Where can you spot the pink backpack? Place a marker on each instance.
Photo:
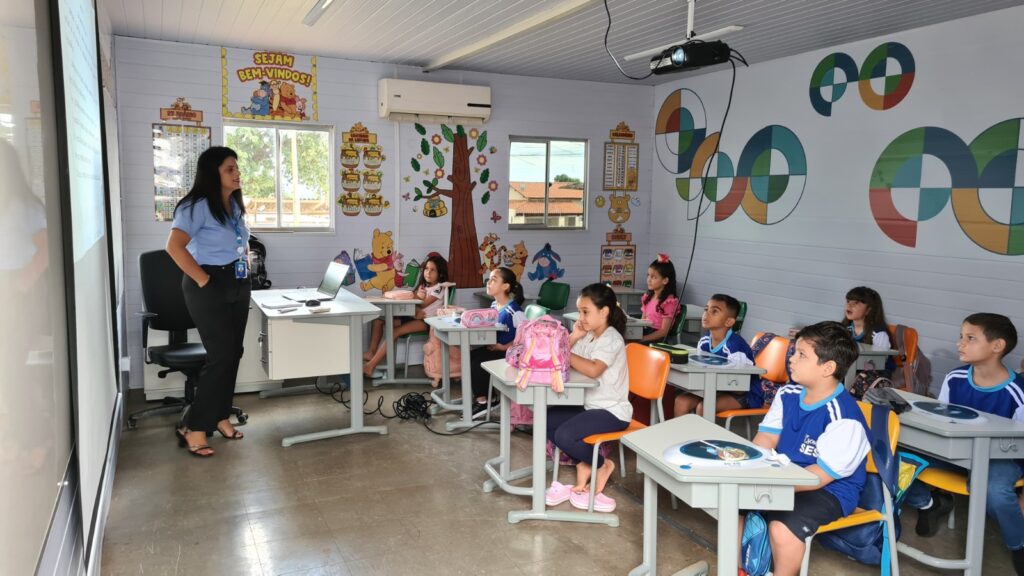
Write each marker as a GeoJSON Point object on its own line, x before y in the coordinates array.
{"type": "Point", "coordinates": [432, 360]}
{"type": "Point", "coordinates": [541, 353]}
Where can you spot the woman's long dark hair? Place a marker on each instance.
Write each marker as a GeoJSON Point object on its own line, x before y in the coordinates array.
{"type": "Point", "coordinates": [442, 270]}
{"type": "Point", "coordinates": [604, 297]}
{"type": "Point", "coordinates": [515, 288]}
{"type": "Point", "coordinates": [874, 319]}
{"type": "Point", "coordinates": [207, 183]}
{"type": "Point", "coordinates": [664, 267]}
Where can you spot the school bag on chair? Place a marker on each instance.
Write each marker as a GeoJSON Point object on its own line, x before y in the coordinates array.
{"type": "Point", "coordinates": [541, 353]}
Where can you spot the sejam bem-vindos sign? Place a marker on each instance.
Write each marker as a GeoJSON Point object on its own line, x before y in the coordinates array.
{"type": "Point", "coordinates": [267, 85]}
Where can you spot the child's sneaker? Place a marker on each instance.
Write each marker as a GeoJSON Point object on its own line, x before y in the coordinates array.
{"type": "Point", "coordinates": [928, 519]}
{"type": "Point", "coordinates": [602, 503]}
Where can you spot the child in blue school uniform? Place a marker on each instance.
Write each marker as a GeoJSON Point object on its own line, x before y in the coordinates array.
{"type": "Point", "coordinates": [508, 299]}
{"type": "Point", "coordinates": [819, 426]}
{"type": "Point", "coordinates": [718, 319]}
{"type": "Point", "coordinates": [986, 384]}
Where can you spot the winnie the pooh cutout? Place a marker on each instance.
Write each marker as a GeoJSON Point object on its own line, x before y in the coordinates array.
{"type": "Point", "coordinates": [618, 207]}
{"type": "Point", "coordinates": [515, 259]}
{"type": "Point", "coordinates": [382, 256]}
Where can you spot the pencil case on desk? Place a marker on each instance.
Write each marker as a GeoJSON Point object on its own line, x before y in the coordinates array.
{"type": "Point", "coordinates": [479, 318]}
{"type": "Point", "coordinates": [676, 355]}
{"type": "Point", "coordinates": [400, 294]}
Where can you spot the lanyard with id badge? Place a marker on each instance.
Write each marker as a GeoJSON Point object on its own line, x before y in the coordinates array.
{"type": "Point", "coordinates": [242, 265]}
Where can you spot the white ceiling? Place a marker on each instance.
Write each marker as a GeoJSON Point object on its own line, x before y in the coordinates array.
{"type": "Point", "coordinates": [415, 32]}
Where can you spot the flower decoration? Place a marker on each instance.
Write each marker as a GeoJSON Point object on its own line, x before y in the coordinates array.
{"type": "Point", "coordinates": [436, 139]}
{"type": "Point", "coordinates": [439, 173]}
{"type": "Point", "coordinates": [473, 133]}
{"type": "Point", "coordinates": [492, 185]}
{"type": "Point", "coordinates": [481, 160]}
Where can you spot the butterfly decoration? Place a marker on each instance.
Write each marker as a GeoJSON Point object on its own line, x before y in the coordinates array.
{"type": "Point", "coordinates": [406, 196]}
{"type": "Point", "coordinates": [495, 216]}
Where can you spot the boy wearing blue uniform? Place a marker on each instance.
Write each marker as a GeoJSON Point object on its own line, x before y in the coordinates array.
{"type": "Point", "coordinates": [820, 427]}
{"type": "Point", "coordinates": [986, 384]}
{"type": "Point", "coordinates": [718, 319]}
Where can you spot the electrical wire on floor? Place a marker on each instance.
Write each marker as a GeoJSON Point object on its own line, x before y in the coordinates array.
{"type": "Point", "coordinates": [410, 406]}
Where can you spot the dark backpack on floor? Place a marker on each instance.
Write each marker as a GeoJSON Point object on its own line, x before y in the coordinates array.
{"type": "Point", "coordinates": [258, 256]}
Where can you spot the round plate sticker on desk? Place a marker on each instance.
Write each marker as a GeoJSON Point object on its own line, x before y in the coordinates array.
{"type": "Point", "coordinates": [950, 412]}
{"type": "Point", "coordinates": [715, 454]}
{"type": "Point", "coordinates": [710, 360]}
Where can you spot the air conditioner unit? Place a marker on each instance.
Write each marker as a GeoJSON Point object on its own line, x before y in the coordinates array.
{"type": "Point", "coordinates": [432, 102]}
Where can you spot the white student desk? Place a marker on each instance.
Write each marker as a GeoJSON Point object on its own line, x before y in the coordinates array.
{"type": "Point", "coordinates": [395, 309]}
{"type": "Point", "coordinates": [634, 326]}
{"type": "Point", "coordinates": [708, 381]}
{"type": "Point", "coordinates": [968, 446]}
{"type": "Point", "coordinates": [300, 344]}
{"type": "Point", "coordinates": [451, 333]}
{"type": "Point", "coordinates": [721, 492]}
{"type": "Point", "coordinates": [503, 378]}
{"type": "Point", "coordinates": [868, 353]}
{"type": "Point", "coordinates": [627, 297]}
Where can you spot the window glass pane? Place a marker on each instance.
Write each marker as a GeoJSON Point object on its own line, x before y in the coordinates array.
{"type": "Point", "coordinates": [526, 182]}
{"type": "Point", "coordinates": [568, 184]}
{"type": "Point", "coordinates": [255, 148]}
{"type": "Point", "coordinates": [306, 199]}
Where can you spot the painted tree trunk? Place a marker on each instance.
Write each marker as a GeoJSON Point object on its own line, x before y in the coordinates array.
{"type": "Point", "coordinates": [463, 251]}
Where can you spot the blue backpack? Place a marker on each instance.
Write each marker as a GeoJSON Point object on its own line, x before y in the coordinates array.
{"type": "Point", "coordinates": [869, 543]}
{"type": "Point", "coordinates": [755, 549]}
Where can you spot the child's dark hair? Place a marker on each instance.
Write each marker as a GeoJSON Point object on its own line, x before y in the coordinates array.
{"type": "Point", "coordinates": [515, 288]}
{"type": "Point", "coordinates": [664, 267]}
{"type": "Point", "coordinates": [732, 305]}
{"type": "Point", "coordinates": [604, 297]}
{"type": "Point", "coordinates": [442, 270]}
{"type": "Point", "coordinates": [832, 342]}
{"type": "Point", "coordinates": [874, 319]}
{"type": "Point", "coordinates": [995, 327]}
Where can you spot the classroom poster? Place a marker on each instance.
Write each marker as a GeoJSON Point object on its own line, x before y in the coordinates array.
{"type": "Point", "coordinates": [268, 85]}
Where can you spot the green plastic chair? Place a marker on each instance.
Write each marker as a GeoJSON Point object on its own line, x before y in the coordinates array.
{"type": "Point", "coordinates": [553, 295]}
{"type": "Point", "coordinates": [740, 316]}
{"type": "Point", "coordinates": [422, 335]}
{"type": "Point", "coordinates": [675, 335]}
{"type": "Point", "coordinates": [534, 311]}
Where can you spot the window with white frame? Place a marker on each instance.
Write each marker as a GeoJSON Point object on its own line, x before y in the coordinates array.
{"type": "Point", "coordinates": [287, 175]}
{"type": "Point", "coordinates": [547, 183]}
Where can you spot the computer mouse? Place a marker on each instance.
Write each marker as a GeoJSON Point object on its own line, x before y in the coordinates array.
{"type": "Point", "coordinates": [312, 303]}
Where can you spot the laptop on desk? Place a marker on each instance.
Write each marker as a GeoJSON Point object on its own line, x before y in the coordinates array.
{"type": "Point", "coordinates": [329, 286]}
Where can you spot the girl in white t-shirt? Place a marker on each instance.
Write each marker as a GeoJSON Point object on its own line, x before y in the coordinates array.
{"type": "Point", "coordinates": [429, 290]}
{"type": "Point", "coordinates": [598, 351]}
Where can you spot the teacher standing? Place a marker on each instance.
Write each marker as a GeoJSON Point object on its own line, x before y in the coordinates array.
{"type": "Point", "coordinates": [209, 241]}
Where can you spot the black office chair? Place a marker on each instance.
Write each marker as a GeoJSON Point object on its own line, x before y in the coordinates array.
{"type": "Point", "coordinates": [164, 304]}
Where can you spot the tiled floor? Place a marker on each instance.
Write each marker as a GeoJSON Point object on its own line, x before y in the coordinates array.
{"type": "Point", "coordinates": [406, 503]}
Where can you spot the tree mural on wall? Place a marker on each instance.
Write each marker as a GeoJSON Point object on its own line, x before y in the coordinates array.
{"type": "Point", "coordinates": [463, 249]}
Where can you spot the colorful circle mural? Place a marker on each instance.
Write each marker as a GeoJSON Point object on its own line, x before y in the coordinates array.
{"type": "Point", "coordinates": [924, 169]}
{"type": "Point", "coordinates": [883, 81]}
{"type": "Point", "coordinates": [680, 129]}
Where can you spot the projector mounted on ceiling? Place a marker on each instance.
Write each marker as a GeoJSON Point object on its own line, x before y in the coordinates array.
{"type": "Point", "coordinates": [709, 53]}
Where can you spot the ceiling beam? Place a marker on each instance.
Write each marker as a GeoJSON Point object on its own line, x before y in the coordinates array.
{"type": "Point", "coordinates": [549, 16]}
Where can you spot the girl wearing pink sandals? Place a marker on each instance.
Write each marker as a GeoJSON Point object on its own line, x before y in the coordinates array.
{"type": "Point", "coordinates": [598, 351]}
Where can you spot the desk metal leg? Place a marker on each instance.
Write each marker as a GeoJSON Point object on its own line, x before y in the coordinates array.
{"type": "Point", "coordinates": [973, 559]}
{"type": "Point", "coordinates": [501, 477]}
{"type": "Point", "coordinates": [539, 509]}
{"type": "Point", "coordinates": [728, 528]}
{"type": "Point", "coordinates": [356, 380]}
{"type": "Point", "coordinates": [443, 398]}
{"type": "Point", "coordinates": [467, 394]}
{"type": "Point", "coordinates": [650, 528]}
{"type": "Point", "coordinates": [390, 353]}
{"type": "Point", "coordinates": [710, 406]}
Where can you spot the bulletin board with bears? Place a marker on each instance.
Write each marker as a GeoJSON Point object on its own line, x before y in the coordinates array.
{"type": "Point", "coordinates": [621, 160]}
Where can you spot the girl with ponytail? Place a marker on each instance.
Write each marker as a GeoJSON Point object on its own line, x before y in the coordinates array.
{"type": "Point", "coordinates": [508, 299]}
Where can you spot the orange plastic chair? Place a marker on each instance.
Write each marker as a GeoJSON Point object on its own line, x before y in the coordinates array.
{"type": "Point", "coordinates": [906, 360]}
{"type": "Point", "coordinates": [773, 361]}
{"type": "Point", "coordinates": [648, 376]}
{"type": "Point", "coordinates": [951, 481]}
{"type": "Point", "coordinates": [861, 516]}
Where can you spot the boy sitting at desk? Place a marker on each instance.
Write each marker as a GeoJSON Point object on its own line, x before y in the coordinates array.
{"type": "Point", "coordinates": [718, 319]}
{"type": "Point", "coordinates": [985, 384]}
{"type": "Point", "coordinates": [819, 426]}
